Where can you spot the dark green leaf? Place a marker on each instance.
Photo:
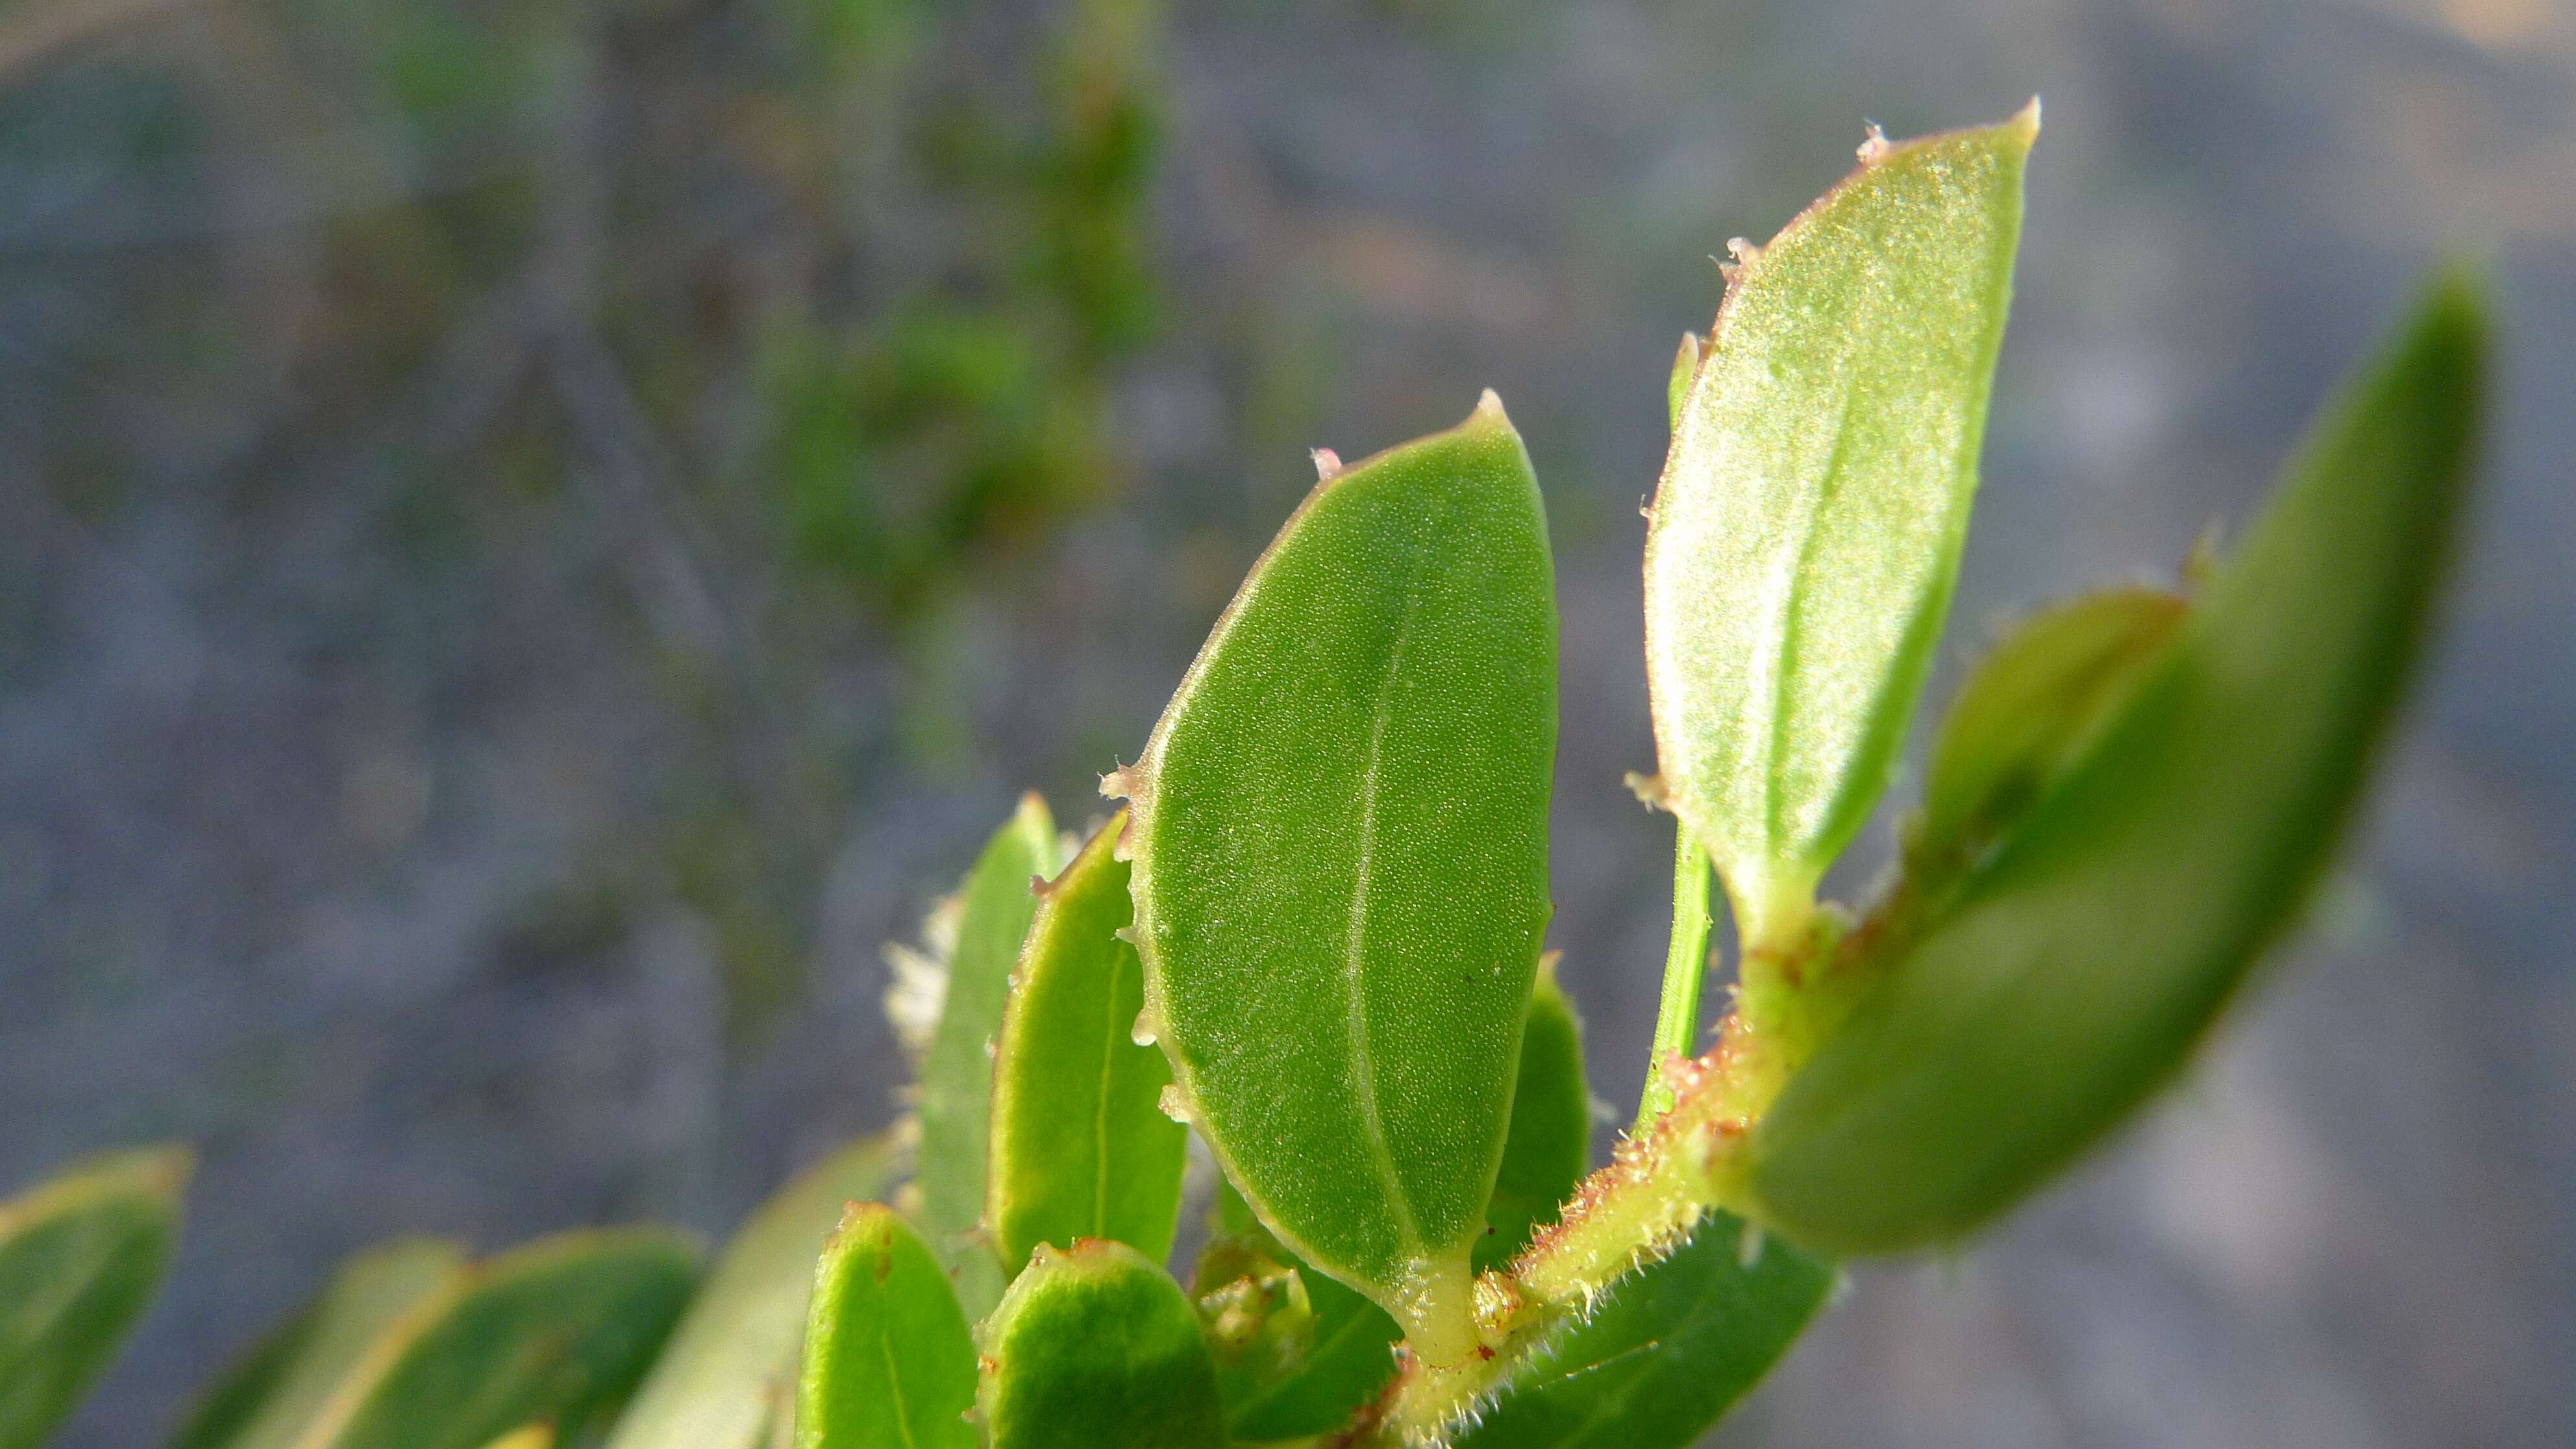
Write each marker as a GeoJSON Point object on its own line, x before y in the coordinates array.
{"type": "Point", "coordinates": [1806, 532]}
{"type": "Point", "coordinates": [1340, 846]}
{"type": "Point", "coordinates": [559, 1331]}
{"type": "Point", "coordinates": [2031, 709]}
{"type": "Point", "coordinates": [1551, 1135]}
{"type": "Point", "coordinates": [1081, 1147]}
{"type": "Point", "coordinates": [80, 1258]}
{"type": "Point", "coordinates": [333, 1341]}
{"type": "Point", "coordinates": [2082, 962]}
{"type": "Point", "coordinates": [889, 1361]}
{"type": "Point", "coordinates": [1096, 1346]}
{"type": "Point", "coordinates": [994, 911]}
{"type": "Point", "coordinates": [714, 1386]}
{"type": "Point", "coordinates": [1670, 1348]}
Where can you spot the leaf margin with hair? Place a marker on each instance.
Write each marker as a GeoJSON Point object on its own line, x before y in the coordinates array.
{"type": "Point", "coordinates": [1227, 824]}
{"type": "Point", "coordinates": [1067, 1061]}
{"type": "Point", "coordinates": [1792, 610]}
{"type": "Point", "coordinates": [955, 1088]}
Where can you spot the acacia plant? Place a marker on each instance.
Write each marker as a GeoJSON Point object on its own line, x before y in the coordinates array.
{"type": "Point", "coordinates": [1313, 938]}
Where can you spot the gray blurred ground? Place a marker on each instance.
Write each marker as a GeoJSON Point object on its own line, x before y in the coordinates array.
{"type": "Point", "coordinates": [281, 817]}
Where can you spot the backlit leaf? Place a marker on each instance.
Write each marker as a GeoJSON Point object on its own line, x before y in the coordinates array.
{"type": "Point", "coordinates": [715, 1386]}
{"type": "Point", "coordinates": [889, 1361]}
{"type": "Point", "coordinates": [1096, 1346]}
{"type": "Point", "coordinates": [80, 1258]}
{"type": "Point", "coordinates": [1806, 532]}
{"type": "Point", "coordinates": [2080, 964]}
{"type": "Point", "coordinates": [1340, 846]}
{"type": "Point", "coordinates": [1081, 1146]}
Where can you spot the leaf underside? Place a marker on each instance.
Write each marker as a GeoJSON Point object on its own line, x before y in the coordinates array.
{"type": "Point", "coordinates": [2079, 965]}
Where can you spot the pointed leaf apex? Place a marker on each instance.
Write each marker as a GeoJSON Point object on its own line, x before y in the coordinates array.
{"type": "Point", "coordinates": [2026, 121]}
{"type": "Point", "coordinates": [1489, 411]}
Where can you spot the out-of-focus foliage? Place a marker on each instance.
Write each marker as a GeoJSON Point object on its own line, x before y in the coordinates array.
{"type": "Point", "coordinates": [781, 323]}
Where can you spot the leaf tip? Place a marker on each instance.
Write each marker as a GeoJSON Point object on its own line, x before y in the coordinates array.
{"type": "Point", "coordinates": [1873, 149]}
{"type": "Point", "coordinates": [1328, 464]}
{"type": "Point", "coordinates": [1489, 411]}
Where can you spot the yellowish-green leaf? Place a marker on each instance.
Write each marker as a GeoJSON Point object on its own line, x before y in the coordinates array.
{"type": "Point", "coordinates": [1081, 1147]}
{"type": "Point", "coordinates": [715, 1386]}
{"type": "Point", "coordinates": [1807, 528]}
{"type": "Point", "coordinates": [80, 1258]}
{"type": "Point", "coordinates": [889, 1361]}
{"type": "Point", "coordinates": [1340, 847]}
{"type": "Point", "coordinates": [2078, 965]}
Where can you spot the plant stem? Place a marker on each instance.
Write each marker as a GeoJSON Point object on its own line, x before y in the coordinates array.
{"type": "Point", "coordinates": [1685, 969]}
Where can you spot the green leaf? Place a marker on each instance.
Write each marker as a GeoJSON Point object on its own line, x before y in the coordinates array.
{"type": "Point", "coordinates": [560, 1330]}
{"type": "Point", "coordinates": [714, 1387]}
{"type": "Point", "coordinates": [2028, 713]}
{"type": "Point", "coordinates": [2082, 962]}
{"type": "Point", "coordinates": [1081, 1148]}
{"type": "Point", "coordinates": [1297, 1352]}
{"type": "Point", "coordinates": [326, 1346]}
{"type": "Point", "coordinates": [1551, 1134]}
{"type": "Point", "coordinates": [995, 908]}
{"type": "Point", "coordinates": [1670, 1348]}
{"type": "Point", "coordinates": [80, 1258]}
{"type": "Point", "coordinates": [526, 1436]}
{"type": "Point", "coordinates": [1097, 1346]}
{"type": "Point", "coordinates": [1340, 847]}
{"type": "Point", "coordinates": [889, 1361]}
{"type": "Point", "coordinates": [1806, 532]}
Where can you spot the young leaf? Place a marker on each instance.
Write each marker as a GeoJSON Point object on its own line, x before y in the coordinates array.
{"type": "Point", "coordinates": [2028, 713]}
{"type": "Point", "coordinates": [1097, 1346]}
{"type": "Point", "coordinates": [1297, 1352]}
{"type": "Point", "coordinates": [995, 909]}
{"type": "Point", "coordinates": [1081, 1147]}
{"type": "Point", "coordinates": [1806, 531]}
{"type": "Point", "coordinates": [714, 1387]}
{"type": "Point", "coordinates": [889, 1362]}
{"type": "Point", "coordinates": [325, 1346]}
{"type": "Point", "coordinates": [1340, 846]}
{"type": "Point", "coordinates": [2079, 965]}
{"type": "Point", "coordinates": [1671, 1347]}
{"type": "Point", "coordinates": [80, 1257]}
{"type": "Point", "coordinates": [558, 1331]}
{"type": "Point", "coordinates": [1551, 1135]}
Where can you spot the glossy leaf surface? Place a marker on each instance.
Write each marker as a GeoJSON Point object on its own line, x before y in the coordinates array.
{"type": "Point", "coordinates": [328, 1346]}
{"type": "Point", "coordinates": [80, 1258]}
{"type": "Point", "coordinates": [2083, 961]}
{"type": "Point", "coordinates": [2028, 713]}
{"type": "Point", "coordinates": [559, 1331]}
{"type": "Point", "coordinates": [1340, 847]}
{"type": "Point", "coordinates": [1551, 1135]}
{"type": "Point", "coordinates": [1806, 532]}
{"type": "Point", "coordinates": [994, 910]}
{"type": "Point", "coordinates": [889, 1361]}
{"type": "Point", "coordinates": [1081, 1146]}
{"type": "Point", "coordinates": [714, 1387]}
{"type": "Point", "coordinates": [1096, 1345]}
{"type": "Point", "coordinates": [1670, 1348]}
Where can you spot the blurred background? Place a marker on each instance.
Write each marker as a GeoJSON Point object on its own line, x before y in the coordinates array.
{"type": "Point", "coordinates": [535, 535]}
